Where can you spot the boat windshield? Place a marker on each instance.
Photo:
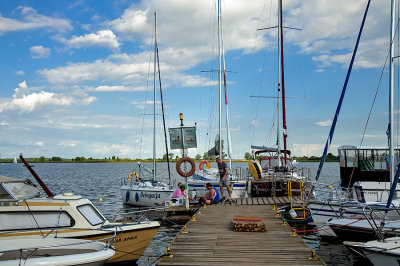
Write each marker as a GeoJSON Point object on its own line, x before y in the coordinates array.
{"type": "Point", "coordinates": [18, 191]}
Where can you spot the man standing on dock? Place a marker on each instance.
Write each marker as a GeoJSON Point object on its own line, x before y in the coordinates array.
{"type": "Point", "coordinates": [224, 179]}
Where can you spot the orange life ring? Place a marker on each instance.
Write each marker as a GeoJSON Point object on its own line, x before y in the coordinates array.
{"type": "Point", "coordinates": [131, 174]}
{"type": "Point", "coordinates": [192, 164]}
{"type": "Point", "coordinates": [201, 165]}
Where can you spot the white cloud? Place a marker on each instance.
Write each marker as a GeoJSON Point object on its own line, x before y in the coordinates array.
{"type": "Point", "coordinates": [38, 52]}
{"type": "Point", "coordinates": [31, 20]}
{"type": "Point", "coordinates": [20, 73]}
{"type": "Point", "coordinates": [325, 123]}
{"type": "Point", "coordinates": [121, 88]}
{"type": "Point", "coordinates": [330, 28]}
{"type": "Point", "coordinates": [69, 143]}
{"type": "Point", "coordinates": [25, 101]}
{"type": "Point", "coordinates": [142, 105]}
{"type": "Point", "coordinates": [102, 38]}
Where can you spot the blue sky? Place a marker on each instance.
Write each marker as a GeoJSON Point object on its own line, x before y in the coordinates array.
{"type": "Point", "coordinates": [76, 76]}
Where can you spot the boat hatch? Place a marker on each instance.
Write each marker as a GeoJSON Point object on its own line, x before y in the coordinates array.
{"type": "Point", "coordinates": [18, 191]}
{"type": "Point", "coordinates": [91, 214]}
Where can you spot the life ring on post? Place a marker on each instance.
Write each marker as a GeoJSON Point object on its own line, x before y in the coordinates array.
{"type": "Point", "coordinates": [192, 165]}
{"type": "Point", "coordinates": [202, 163]}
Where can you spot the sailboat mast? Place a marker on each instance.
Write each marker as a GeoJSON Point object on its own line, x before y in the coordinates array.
{"type": "Point", "coordinates": [219, 78]}
{"type": "Point", "coordinates": [391, 93]}
{"type": "Point", "coordinates": [228, 129]}
{"type": "Point", "coordinates": [278, 142]}
{"type": "Point", "coordinates": [154, 88]}
{"type": "Point", "coordinates": [283, 83]}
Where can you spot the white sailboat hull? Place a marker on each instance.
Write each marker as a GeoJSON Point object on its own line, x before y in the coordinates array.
{"type": "Point", "coordinates": [197, 183]}
{"type": "Point", "coordinates": [146, 195]}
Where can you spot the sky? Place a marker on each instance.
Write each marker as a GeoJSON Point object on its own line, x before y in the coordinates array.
{"type": "Point", "coordinates": [77, 76]}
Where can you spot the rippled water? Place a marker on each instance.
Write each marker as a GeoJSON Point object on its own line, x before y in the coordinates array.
{"type": "Point", "coordinates": [103, 180]}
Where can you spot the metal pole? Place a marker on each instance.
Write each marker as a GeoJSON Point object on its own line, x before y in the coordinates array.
{"type": "Point", "coordinates": [219, 79]}
{"type": "Point", "coordinates": [154, 105]}
{"type": "Point", "coordinates": [391, 93]}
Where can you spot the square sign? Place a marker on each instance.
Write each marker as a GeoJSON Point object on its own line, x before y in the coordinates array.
{"type": "Point", "coordinates": [176, 139]}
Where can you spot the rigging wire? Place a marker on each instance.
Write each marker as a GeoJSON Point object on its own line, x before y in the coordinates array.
{"type": "Point", "coordinates": [147, 89]}
{"type": "Point", "coordinates": [265, 57]}
{"type": "Point", "coordinates": [373, 101]}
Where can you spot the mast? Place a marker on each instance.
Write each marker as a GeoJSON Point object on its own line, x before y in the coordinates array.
{"type": "Point", "coordinates": [278, 144]}
{"type": "Point", "coordinates": [154, 88]}
{"type": "Point", "coordinates": [283, 84]}
{"type": "Point", "coordinates": [219, 78]}
{"type": "Point", "coordinates": [228, 129]}
{"type": "Point", "coordinates": [391, 92]}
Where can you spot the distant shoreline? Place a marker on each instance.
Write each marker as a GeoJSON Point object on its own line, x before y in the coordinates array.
{"type": "Point", "coordinates": [91, 160]}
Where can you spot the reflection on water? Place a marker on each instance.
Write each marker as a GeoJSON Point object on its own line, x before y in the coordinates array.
{"type": "Point", "coordinates": [103, 180]}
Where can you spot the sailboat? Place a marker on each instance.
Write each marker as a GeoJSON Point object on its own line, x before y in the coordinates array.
{"type": "Point", "coordinates": [366, 173]}
{"type": "Point", "coordinates": [136, 189]}
{"type": "Point", "coordinates": [238, 183]}
{"type": "Point", "coordinates": [275, 169]}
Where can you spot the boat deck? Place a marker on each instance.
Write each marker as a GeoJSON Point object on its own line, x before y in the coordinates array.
{"type": "Point", "coordinates": [211, 239]}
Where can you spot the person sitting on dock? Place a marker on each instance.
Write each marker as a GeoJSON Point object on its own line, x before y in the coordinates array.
{"type": "Point", "coordinates": [211, 197]}
{"type": "Point", "coordinates": [178, 193]}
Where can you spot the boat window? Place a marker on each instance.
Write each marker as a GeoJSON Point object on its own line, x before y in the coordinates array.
{"type": "Point", "coordinates": [35, 219]}
{"type": "Point", "coordinates": [365, 160]}
{"type": "Point", "coordinates": [21, 190]}
{"type": "Point", "coordinates": [91, 214]}
{"type": "Point", "coordinates": [351, 158]}
{"type": "Point", "coordinates": [380, 160]}
{"type": "Point", "coordinates": [342, 158]}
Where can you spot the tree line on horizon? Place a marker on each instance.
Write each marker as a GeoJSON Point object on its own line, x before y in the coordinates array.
{"type": "Point", "coordinates": [172, 157]}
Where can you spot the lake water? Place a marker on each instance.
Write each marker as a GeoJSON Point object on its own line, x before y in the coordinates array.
{"type": "Point", "coordinates": [103, 180]}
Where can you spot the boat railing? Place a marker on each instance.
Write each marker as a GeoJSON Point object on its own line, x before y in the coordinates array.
{"type": "Point", "coordinates": [331, 192]}
{"type": "Point", "coordinates": [137, 214]}
{"type": "Point", "coordinates": [378, 216]}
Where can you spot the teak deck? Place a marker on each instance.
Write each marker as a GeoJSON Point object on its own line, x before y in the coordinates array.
{"type": "Point", "coordinates": [211, 240]}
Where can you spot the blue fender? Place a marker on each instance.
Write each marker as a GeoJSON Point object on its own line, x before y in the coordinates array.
{"type": "Point", "coordinates": [127, 195]}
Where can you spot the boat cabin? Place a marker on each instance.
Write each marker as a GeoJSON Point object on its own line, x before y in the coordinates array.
{"type": "Point", "coordinates": [270, 161]}
{"type": "Point", "coordinates": [365, 163]}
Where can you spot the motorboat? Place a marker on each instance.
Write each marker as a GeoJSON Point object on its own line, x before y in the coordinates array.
{"type": "Point", "coordinates": [378, 252]}
{"type": "Point", "coordinates": [364, 180]}
{"type": "Point", "coordinates": [54, 252]}
{"type": "Point", "coordinates": [25, 212]}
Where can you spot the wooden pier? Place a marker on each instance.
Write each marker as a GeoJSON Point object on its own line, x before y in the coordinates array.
{"type": "Point", "coordinates": [211, 240]}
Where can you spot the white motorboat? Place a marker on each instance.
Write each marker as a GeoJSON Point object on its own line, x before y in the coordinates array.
{"type": "Point", "coordinates": [26, 213]}
{"type": "Point", "coordinates": [379, 252]}
{"type": "Point", "coordinates": [364, 180]}
{"type": "Point", "coordinates": [147, 192]}
{"type": "Point", "coordinates": [54, 252]}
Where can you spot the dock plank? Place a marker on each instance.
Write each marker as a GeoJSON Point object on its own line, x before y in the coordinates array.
{"type": "Point", "coordinates": [211, 239]}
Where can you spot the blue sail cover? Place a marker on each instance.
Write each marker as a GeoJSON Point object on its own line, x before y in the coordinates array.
{"type": "Point", "coordinates": [329, 140]}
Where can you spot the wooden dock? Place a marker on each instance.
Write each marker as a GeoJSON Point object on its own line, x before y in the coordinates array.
{"type": "Point", "coordinates": [211, 240]}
